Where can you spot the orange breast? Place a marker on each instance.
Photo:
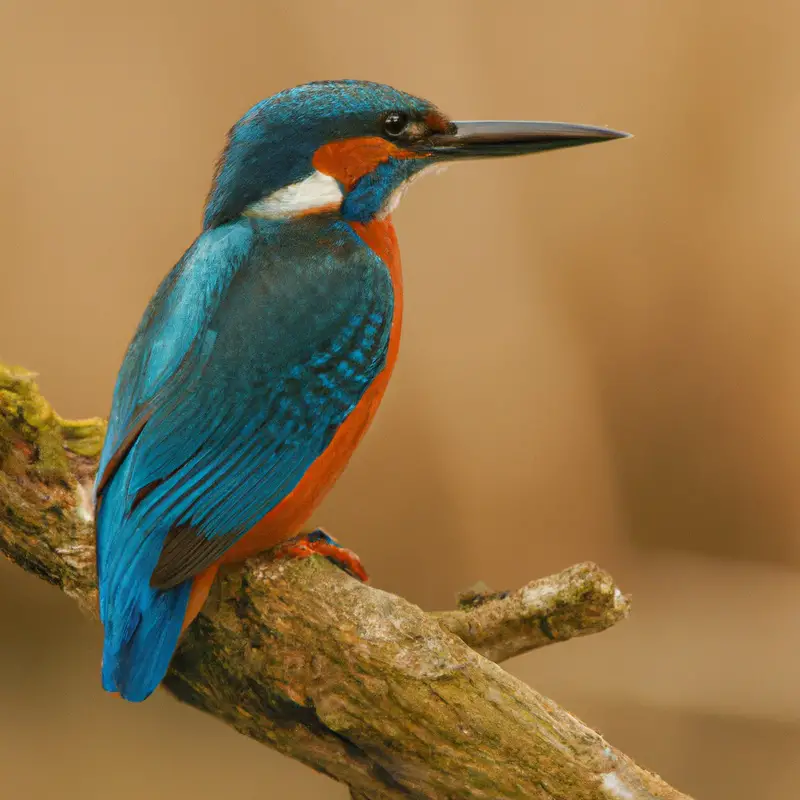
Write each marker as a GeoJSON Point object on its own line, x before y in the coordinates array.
{"type": "Point", "coordinates": [287, 518]}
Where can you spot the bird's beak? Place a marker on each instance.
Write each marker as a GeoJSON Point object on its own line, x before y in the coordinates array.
{"type": "Point", "coordinates": [509, 138]}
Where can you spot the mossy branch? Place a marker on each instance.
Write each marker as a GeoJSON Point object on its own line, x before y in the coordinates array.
{"type": "Point", "coordinates": [352, 681]}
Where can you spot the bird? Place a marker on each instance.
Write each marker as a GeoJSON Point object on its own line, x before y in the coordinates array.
{"type": "Point", "coordinates": [261, 359]}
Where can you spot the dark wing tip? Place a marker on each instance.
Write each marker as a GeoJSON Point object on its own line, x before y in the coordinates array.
{"type": "Point", "coordinates": [186, 553]}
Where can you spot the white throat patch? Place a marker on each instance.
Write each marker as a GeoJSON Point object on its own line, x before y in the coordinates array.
{"type": "Point", "coordinates": [317, 191]}
{"type": "Point", "coordinates": [397, 195]}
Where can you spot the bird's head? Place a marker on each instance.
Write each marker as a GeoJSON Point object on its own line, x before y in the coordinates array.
{"type": "Point", "coordinates": [353, 146]}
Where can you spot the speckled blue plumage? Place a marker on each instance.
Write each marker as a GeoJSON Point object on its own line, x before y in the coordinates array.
{"type": "Point", "coordinates": [253, 351]}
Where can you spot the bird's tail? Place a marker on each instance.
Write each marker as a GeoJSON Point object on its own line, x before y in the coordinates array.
{"type": "Point", "coordinates": [142, 624]}
{"type": "Point", "coordinates": [136, 656]}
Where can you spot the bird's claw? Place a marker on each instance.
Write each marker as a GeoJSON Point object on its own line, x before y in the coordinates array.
{"type": "Point", "coordinates": [320, 543]}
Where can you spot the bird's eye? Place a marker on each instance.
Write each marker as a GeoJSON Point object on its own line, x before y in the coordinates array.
{"type": "Point", "coordinates": [394, 123]}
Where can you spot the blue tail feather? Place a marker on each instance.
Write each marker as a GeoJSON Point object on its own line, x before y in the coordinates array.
{"type": "Point", "coordinates": [142, 624]}
{"type": "Point", "coordinates": [135, 664]}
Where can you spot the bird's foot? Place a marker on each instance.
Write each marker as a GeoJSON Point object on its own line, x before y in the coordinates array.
{"type": "Point", "coordinates": [320, 543]}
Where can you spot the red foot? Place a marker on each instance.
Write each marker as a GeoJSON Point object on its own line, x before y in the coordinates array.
{"type": "Point", "coordinates": [319, 543]}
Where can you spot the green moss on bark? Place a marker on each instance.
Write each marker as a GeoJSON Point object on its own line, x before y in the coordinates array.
{"type": "Point", "coordinates": [30, 425]}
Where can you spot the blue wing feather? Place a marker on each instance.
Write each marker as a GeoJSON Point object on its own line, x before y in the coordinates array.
{"type": "Point", "coordinates": [172, 326]}
{"type": "Point", "coordinates": [253, 352]}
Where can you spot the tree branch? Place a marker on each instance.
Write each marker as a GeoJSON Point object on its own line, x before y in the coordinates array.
{"type": "Point", "coordinates": [499, 625]}
{"type": "Point", "coordinates": [352, 681]}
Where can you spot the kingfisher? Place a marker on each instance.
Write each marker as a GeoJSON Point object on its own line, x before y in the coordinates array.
{"type": "Point", "coordinates": [264, 354]}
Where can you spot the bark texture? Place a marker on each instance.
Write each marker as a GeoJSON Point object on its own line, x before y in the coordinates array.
{"type": "Point", "coordinates": [352, 681]}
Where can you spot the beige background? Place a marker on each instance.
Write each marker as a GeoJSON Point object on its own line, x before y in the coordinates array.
{"type": "Point", "coordinates": [601, 356]}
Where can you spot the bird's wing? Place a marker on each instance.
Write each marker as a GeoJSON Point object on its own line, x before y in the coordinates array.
{"type": "Point", "coordinates": [253, 352]}
{"type": "Point", "coordinates": [170, 339]}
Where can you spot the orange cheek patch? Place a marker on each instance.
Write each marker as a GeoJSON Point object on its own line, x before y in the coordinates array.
{"type": "Point", "coordinates": [437, 122]}
{"type": "Point", "coordinates": [350, 159]}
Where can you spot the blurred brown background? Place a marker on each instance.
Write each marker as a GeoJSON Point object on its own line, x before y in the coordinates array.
{"type": "Point", "coordinates": [601, 356]}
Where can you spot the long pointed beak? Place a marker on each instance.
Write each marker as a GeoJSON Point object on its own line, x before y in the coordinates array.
{"type": "Point", "coordinates": [510, 138]}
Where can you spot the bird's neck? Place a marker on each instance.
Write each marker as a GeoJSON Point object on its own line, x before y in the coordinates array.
{"type": "Point", "coordinates": [361, 178]}
{"type": "Point", "coordinates": [373, 197]}
{"type": "Point", "coordinates": [317, 194]}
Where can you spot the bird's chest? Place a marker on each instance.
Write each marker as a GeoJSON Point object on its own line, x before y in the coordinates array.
{"type": "Point", "coordinates": [289, 516]}
{"type": "Point", "coordinates": [380, 237]}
